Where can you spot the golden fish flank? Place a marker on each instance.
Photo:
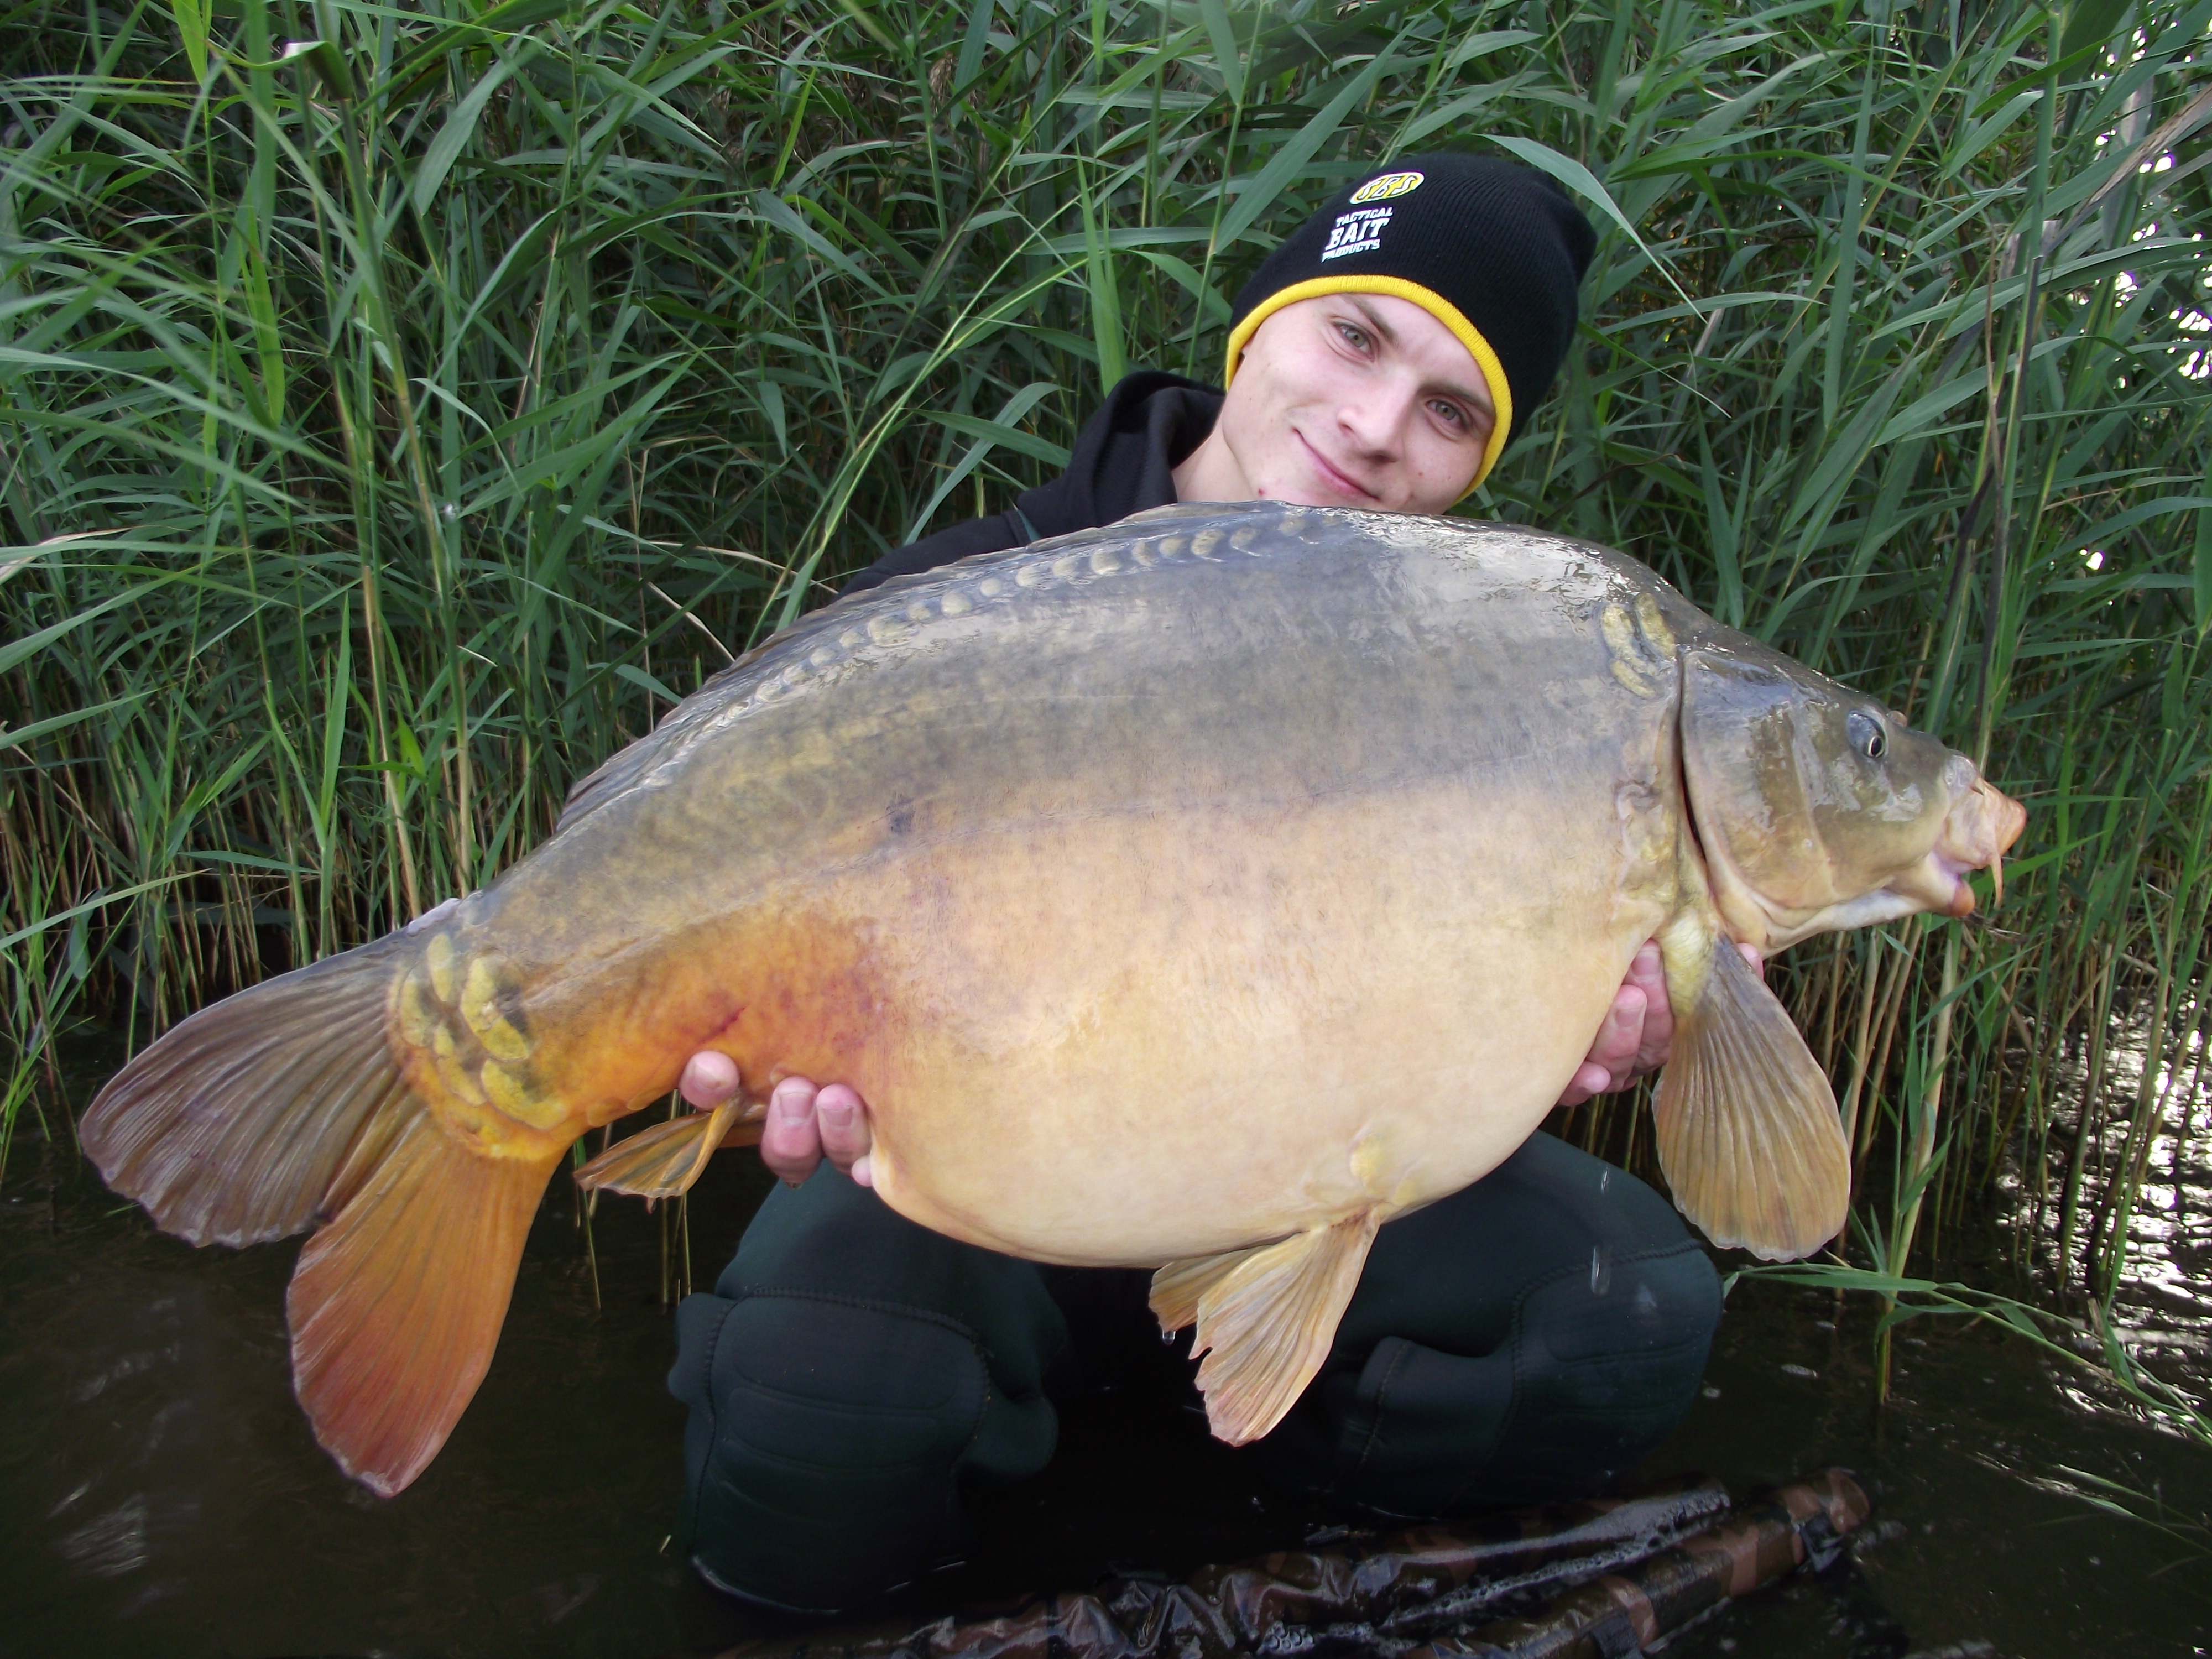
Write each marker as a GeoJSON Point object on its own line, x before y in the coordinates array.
{"type": "Point", "coordinates": [482, 1057]}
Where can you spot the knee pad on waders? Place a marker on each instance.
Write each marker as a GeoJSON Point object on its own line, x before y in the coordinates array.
{"type": "Point", "coordinates": [827, 1445]}
{"type": "Point", "coordinates": [848, 1376]}
{"type": "Point", "coordinates": [1587, 1383]}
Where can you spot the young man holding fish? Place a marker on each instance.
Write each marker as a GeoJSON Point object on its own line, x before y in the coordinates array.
{"type": "Point", "coordinates": [1527, 1338]}
{"type": "Point", "coordinates": [1203, 892]}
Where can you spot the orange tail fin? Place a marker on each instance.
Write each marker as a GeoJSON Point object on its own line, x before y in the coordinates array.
{"type": "Point", "coordinates": [283, 1108]}
{"type": "Point", "coordinates": [396, 1305]}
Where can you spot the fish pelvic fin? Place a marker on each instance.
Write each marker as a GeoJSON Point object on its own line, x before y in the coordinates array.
{"type": "Point", "coordinates": [1266, 1318]}
{"type": "Point", "coordinates": [1748, 1133]}
{"type": "Point", "coordinates": [666, 1159]}
{"type": "Point", "coordinates": [396, 1305]}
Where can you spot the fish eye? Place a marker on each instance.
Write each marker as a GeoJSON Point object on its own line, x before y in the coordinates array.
{"type": "Point", "coordinates": [1866, 734]}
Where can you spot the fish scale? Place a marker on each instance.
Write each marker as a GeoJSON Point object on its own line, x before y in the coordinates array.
{"type": "Point", "coordinates": [459, 1017]}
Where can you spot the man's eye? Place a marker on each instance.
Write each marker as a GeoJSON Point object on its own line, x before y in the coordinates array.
{"type": "Point", "coordinates": [1354, 336]}
{"type": "Point", "coordinates": [1451, 413]}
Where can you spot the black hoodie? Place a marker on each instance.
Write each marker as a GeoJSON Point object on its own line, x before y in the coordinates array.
{"type": "Point", "coordinates": [1123, 463]}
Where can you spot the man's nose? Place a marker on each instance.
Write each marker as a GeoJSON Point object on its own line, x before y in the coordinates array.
{"type": "Point", "coordinates": [1374, 419]}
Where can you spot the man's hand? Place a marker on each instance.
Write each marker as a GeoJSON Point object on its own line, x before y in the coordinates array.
{"type": "Point", "coordinates": [1638, 1031]}
{"type": "Point", "coordinates": [807, 1123]}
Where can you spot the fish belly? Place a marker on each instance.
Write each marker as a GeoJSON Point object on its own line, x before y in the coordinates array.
{"type": "Point", "coordinates": [1139, 1039]}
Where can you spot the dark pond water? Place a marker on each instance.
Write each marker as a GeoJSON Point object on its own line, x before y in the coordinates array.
{"type": "Point", "coordinates": [159, 1494]}
{"type": "Point", "coordinates": [2163, 1308]}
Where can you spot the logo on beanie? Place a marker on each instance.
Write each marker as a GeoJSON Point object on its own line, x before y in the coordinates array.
{"type": "Point", "coordinates": [1389, 187]}
{"type": "Point", "coordinates": [1358, 232]}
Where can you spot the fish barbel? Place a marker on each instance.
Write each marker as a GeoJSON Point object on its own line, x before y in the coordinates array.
{"type": "Point", "coordinates": [1198, 893]}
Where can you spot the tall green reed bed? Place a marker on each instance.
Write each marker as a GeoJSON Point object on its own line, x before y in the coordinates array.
{"type": "Point", "coordinates": [404, 405]}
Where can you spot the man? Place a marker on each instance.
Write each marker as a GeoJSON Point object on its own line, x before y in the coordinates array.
{"type": "Point", "coordinates": [1527, 1338]}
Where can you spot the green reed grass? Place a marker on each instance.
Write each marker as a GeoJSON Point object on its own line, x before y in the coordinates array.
{"type": "Point", "coordinates": [401, 406]}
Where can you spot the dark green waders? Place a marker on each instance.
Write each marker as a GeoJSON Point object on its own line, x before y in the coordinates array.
{"type": "Point", "coordinates": [851, 1373]}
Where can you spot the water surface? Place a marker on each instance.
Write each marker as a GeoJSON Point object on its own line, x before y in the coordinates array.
{"type": "Point", "coordinates": [159, 1492]}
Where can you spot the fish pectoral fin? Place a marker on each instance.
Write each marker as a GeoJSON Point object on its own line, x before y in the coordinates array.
{"type": "Point", "coordinates": [1747, 1129]}
{"type": "Point", "coordinates": [664, 1161]}
{"type": "Point", "coordinates": [1266, 1318]}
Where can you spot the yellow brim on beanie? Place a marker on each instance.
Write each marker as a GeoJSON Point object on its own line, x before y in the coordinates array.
{"type": "Point", "coordinates": [1493, 372]}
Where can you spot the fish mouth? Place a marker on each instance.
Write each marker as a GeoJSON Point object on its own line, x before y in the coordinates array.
{"type": "Point", "coordinates": [1983, 823]}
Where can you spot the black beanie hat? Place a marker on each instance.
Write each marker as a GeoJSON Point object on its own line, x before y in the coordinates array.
{"type": "Point", "coordinates": [1493, 250]}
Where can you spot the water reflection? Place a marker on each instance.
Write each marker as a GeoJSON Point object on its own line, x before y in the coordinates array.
{"type": "Point", "coordinates": [2163, 1307]}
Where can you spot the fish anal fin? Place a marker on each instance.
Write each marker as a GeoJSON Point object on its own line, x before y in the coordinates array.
{"type": "Point", "coordinates": [396, 1305]}
{"type": "Point", "coordinates": [1748, 1133]}
{"type": "Point", "coordinates": [1179, 1288]}
{"type": "Point", "coordinates": [665, 1160]}
{"type": "Point", "coordinates": [1266, 1318]}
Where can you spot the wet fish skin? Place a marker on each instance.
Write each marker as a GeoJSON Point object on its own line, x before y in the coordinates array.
{"type": "Point", "coordinates": [1216, 792]}
{"type": "Point", "coordinates": [1199, 892]}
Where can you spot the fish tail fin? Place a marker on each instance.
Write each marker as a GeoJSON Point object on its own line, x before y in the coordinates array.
{"type": "Point", "coordinates": [396, 1305]}
{"type": "Point", "coordinates": [286, 1106]}
{"type": "Point", "coordinates": [233, 1126]}
{"type": "Point", "coordinates": [1747, 1130]}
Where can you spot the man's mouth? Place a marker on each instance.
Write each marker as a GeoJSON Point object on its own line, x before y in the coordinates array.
{"type": "Point", "coordinates": [1334, 478]}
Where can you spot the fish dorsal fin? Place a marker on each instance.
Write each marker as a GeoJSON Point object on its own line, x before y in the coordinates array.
{"type": "Point", "coordinates": [895, 606]}
{"type": "Point", "coordinates": [1748, 1130]}
{"type": "Point", "coordinates": [732, 685]}
{"type": "Point", "coordinates": [1266, 1318]}
{"type": "Point", "coordinates": [665, 1160]}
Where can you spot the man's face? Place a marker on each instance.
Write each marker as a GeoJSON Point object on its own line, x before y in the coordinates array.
{"type": "Point", "coordinates": [1348, 400]}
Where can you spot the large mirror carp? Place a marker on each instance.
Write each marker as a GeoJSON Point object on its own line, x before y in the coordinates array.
{"type": "Point", "coordinates": [1198, 893]}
